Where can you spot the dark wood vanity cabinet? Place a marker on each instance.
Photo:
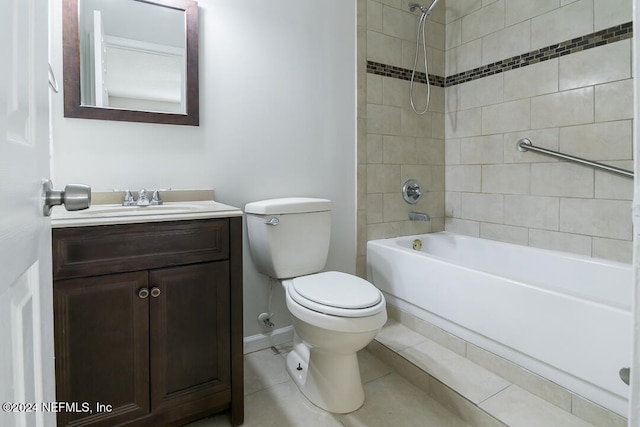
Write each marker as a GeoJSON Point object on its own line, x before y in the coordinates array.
{"type": "Point", "coordinates": [148, 322]}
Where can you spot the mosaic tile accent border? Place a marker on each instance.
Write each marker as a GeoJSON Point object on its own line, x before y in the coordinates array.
{"type": "Point", "coordinates": [403, 73]}
{"type": "Point", "coordinates": [599, 38]}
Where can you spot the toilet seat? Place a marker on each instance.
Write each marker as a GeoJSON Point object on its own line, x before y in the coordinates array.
{"type": "Point", "coordinates": [336, 294]}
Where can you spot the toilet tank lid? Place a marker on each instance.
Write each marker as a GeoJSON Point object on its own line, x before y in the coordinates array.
{"type": "Point", "coordinates": [288, 205]}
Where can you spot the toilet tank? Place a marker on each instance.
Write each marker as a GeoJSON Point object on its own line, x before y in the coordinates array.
{"type": "Point", "coordinates": [289, 237]}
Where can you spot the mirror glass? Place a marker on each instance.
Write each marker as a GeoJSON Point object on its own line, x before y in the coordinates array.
{"type": "Point", "coordinates": [131, 60]}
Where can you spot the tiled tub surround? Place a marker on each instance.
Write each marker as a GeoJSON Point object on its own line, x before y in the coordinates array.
{"type": "Point", "coordinates": [567, 47]}
{"type": "Point", "coordinates": [578, 103]}
{"type": "Point", "coordinates": [556, 50]}
{"type": "Point", "coordinates": [394, 143]}
{"type": "Point", "coordinates": [554, 71]}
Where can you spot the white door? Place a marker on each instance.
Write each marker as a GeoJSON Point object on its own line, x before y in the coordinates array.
{"type": "Point", "coordinates": [26, 306]}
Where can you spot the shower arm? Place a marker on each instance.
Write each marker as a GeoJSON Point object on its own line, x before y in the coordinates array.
{"type": "Point", "coordinates": [413, 6]}
{"type": "Point", "coordinates": [425, 10]}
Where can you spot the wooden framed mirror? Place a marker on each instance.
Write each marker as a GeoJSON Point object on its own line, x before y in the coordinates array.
{"type": "Point", "coordinates": [131, 60]}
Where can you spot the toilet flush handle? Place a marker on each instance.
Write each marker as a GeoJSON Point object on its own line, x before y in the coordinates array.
{"type": "Point", "coordinates": [273, 221]}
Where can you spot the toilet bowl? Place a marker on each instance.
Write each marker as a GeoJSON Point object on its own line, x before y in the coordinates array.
{"type": "Point", "coordinates": [334, 314]}
{"type": "Point", "coordinates": [323, 361]}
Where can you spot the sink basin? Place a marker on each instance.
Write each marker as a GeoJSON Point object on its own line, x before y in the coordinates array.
{"type": "Point", "coordinates": [166, 209]}
{"type": "Point", "coordinates": [105, 214]}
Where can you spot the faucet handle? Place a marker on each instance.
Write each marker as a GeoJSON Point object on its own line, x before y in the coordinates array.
{"type": "Point", "coordinates": [411, 191]}
{"type": "Point", "coordinates": [128, 197]}
{"type": "Point", "coordinates": [155, 197]}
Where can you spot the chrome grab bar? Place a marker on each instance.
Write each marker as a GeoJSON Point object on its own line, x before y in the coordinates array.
{"type": "Point", "coordinates": [525, 145]}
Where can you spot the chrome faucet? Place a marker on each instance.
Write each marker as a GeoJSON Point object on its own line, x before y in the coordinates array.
{"type": "Point", "coordinates": [143, 198]}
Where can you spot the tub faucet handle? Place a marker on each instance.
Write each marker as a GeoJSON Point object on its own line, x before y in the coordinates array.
{"type": "Point", "coordinates": [411, 191]}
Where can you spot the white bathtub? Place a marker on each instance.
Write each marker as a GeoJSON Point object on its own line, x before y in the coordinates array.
{"type": "Point", "coordinates": [563, 316]}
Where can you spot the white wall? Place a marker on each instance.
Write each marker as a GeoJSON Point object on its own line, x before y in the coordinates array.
{"type": "Point", "coordinates": [277, 118]}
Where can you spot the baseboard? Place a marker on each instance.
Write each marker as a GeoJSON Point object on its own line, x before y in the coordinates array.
{"type": "Point", "coordinates": [262, 341]}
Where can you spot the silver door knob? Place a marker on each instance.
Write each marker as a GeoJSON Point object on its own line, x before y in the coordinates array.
{"type": "Point", "coordinates": [74, 197]}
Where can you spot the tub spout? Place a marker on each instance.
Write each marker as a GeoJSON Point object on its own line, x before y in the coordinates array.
{"type": "Point", "coordinates": [419, 216]}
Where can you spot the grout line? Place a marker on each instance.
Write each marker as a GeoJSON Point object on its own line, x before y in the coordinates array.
{"type": "Point", "coordinates": [498, 392]}
{"type": "Point", "coordinates": [275, 350]}
{"type": "Point", "coordinates": [391, 372]}
{"type": "Point", "coordinates": [456, 395]}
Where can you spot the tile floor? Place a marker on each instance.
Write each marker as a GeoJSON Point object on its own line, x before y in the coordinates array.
{"type": "Point", "coordinates": [272, 399]}
{"type": "Point", "coordinates": [481, 396]}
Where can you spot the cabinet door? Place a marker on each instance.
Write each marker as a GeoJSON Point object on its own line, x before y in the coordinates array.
{"type": "Point", "coordinates": [189, 330]}
{"type": "Point", "coordinates": [102, 348]}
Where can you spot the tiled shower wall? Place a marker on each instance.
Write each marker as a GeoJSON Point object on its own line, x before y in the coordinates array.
{"type": "Point", "coordinates": [559, 73]}
{"type": "Point", "coordinates": [555, 71]}
{"type": "Point", "coordinates": [394, 143]}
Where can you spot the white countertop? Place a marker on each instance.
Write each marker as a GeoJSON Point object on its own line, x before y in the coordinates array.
{"type": "Point", "coordinates": [111, 214]}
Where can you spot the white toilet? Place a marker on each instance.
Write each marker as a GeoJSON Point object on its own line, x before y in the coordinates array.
{"type": "Point", "coordinates": [334, 314]}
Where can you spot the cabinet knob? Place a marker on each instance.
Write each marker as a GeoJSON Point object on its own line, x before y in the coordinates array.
{"type": "Point", "coordinates": [155, 292]}
{"type": "Point", "coordinates": [143, 293]}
